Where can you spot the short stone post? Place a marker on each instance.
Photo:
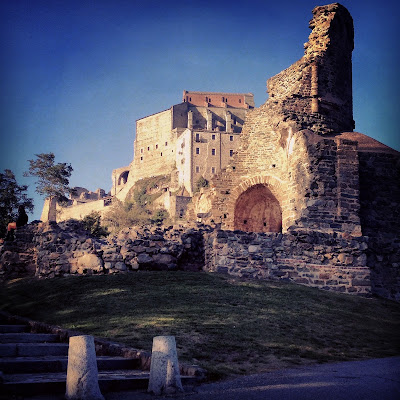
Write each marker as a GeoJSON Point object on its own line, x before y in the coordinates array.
{"type": "Point", "coordinates": [164, 369]}
{"type": "Point", "coordinates": [82, 373]}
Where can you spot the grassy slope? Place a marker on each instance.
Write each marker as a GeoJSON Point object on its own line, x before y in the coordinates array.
{"type": "Point", "coordinates": [226, 325]}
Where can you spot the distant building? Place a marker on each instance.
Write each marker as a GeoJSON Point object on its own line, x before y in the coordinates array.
{"type": "Point", "coordinates": [193, 139]}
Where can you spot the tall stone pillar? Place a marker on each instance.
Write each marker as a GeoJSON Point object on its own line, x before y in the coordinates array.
{"type": "Point", "coordinates": [228, 118]}
{"type": "Point", "coordinates": [190, 120]}
{"type": "Point", "coordinates": [209, 120]}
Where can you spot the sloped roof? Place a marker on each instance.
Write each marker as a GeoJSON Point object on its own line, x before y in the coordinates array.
{"type": "Point", "coordinates": [365, 143]}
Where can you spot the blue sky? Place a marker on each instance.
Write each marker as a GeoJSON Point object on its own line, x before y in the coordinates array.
{"type": "Point", "coordinates": [77, 74]}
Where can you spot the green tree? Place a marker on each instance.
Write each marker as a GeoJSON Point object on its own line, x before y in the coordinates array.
{"type": "Point", "coordinates": [52, 179]}
{"type": "Point", "coordinates": [12, 196]}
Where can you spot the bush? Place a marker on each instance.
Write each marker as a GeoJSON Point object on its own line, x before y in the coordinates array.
{"type": "Point", "coordinates": [201, 183]}
{"type": "Point", "coordinates": [126, 214]}
{"type": "Point", "coordinates": [92, 223]}
{"type": "Point", "coordinates": [159, 216]}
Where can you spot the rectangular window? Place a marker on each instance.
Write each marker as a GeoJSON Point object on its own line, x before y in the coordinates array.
{"type": "Point", "coordinates": [141, 150]}
{"type": "Point", "coordinates": [156, 146]}
{"type": "Point", "coordinates": [231, 153]}
{"type": "Point", "coordinates": [213, 170]}
{"type": "Point", "coordinates": [166, 143]}
{"type": "Point", "coordinates": [213, 137]}
{"type": "Point", "coordinates": [148, 148]}
{"type": "Point", "coordinates": [231, 138]}
{"type": "Point", "coordinates": [213, 152]}
{"type": "Point", "coordinates": [141, 158]}
{"type": "Point", "coordinates": [197, 137]}
{"type": "Point", "coordinates": [197, 150]}
{"type": "Point", "coordinates": [197, 169]}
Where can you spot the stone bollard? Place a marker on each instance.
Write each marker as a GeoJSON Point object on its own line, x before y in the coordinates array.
{"type": "Point", "coordinates": [82, 374]}
{"type": "Point", "coordinates": [164, 368]}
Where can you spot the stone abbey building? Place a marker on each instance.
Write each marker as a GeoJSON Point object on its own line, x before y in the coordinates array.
{"type": "Point", "coordinates": [193, 139]}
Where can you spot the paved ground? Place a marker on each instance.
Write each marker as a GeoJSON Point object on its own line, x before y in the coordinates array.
{"type": "Point", "coordinates": [377, 379]}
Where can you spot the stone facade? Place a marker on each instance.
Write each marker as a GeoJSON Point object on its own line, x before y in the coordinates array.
{"type": "Point", "coordinates": [194, 138]}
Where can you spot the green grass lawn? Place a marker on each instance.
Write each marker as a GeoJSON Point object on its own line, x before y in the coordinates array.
{"type": "Point", "coordinates": [228, 326]}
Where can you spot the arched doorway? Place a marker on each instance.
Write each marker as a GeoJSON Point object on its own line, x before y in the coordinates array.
{"type": "Point", "coordinates": [258, 210]}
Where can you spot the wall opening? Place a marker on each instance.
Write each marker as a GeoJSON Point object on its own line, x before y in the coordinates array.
{"type": "Point", "coordinates": [258, 210]}
{"type": "Point", "coordinates": [123, 178]}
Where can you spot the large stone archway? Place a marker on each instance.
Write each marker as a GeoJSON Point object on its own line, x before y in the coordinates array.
{"type": "Point", "coordinates": [258, 210]}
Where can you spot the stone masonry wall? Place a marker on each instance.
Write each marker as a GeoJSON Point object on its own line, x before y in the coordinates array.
{"type": "Point", "coordinates": [326, 261]}
{"type": "Point", "coordinates": [49, 249]}
{"type": "Point", "coordinates": [380, 217]}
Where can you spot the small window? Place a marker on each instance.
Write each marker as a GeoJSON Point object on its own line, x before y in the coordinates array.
{"type": "Point", "coordinates": [141, 150]}
{"type": "Point", "coordinates": [148, 148]}
{"type": "Point", "coordinates": [231, 153]}
{"type": "Point", "coordinates": [213, 137]}
{"type": "Point", "coordinates": [234, 121]}
{"type": "Point", "coordinates": [213, 170]}
{"type": "Point", "coordinates": [190, 99]}
{"type": "Point", "coordinates": [231, 138]}
{"type": "Point", "coordinates": [161, 154]}
{"type": "Point", "coordinates": [197, 150]}
{"type": "Point", "coordinates": [156, 146]}
{"type": "Point", "coordinates": [197, 137]}
{"type": "Point", "coordinates": [166, 143]}
{"type": "Point", "coordinates": [213, 152]}
{"type": "Point", "coordinates": [197, 169]}
{"type": "Point", "coordinates": [245, 221]}
{"type": "Point", "coordinates": [141, 158]}
{"type": "Point", "coordinates": [206, 99]}
{"type": "Point", "coordinates": [240, 100]}
{"type": "Point", "coordinates": [209, 100]}
{"type": "Point", "coordinates": [223, 99]}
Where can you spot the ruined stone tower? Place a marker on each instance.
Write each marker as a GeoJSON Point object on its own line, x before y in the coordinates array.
{"type": "Point", "coordinates": [291, 171]}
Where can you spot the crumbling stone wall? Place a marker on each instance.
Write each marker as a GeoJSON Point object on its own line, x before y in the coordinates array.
{"type": "Point", "coordinates": [18, 257]}
{"type": "Point", "coordinates": [326, 261]}
{"type": "Point", "coordinates": [323, 260]}
{"type": "Point", "coordinates": [49, 249]}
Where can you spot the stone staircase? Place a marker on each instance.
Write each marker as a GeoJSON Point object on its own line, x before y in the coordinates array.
{"type": "Point", "coordinates": [36, 363]}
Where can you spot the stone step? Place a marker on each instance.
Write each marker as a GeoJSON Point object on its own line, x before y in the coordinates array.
{"type": "Point", "coordinates": [24, 365]}
{"type": "Point", "coordinates": [52, 383]}
{"type": "Point", "coordinates": [28, 338]}
{"type": "Point", "coordinates": [33, 349]}
{"type": "Point", "coordinates": [13, 328]}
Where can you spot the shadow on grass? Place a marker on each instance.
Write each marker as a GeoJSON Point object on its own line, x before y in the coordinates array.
{"type": "Point", "coordinates": [228, 326]}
